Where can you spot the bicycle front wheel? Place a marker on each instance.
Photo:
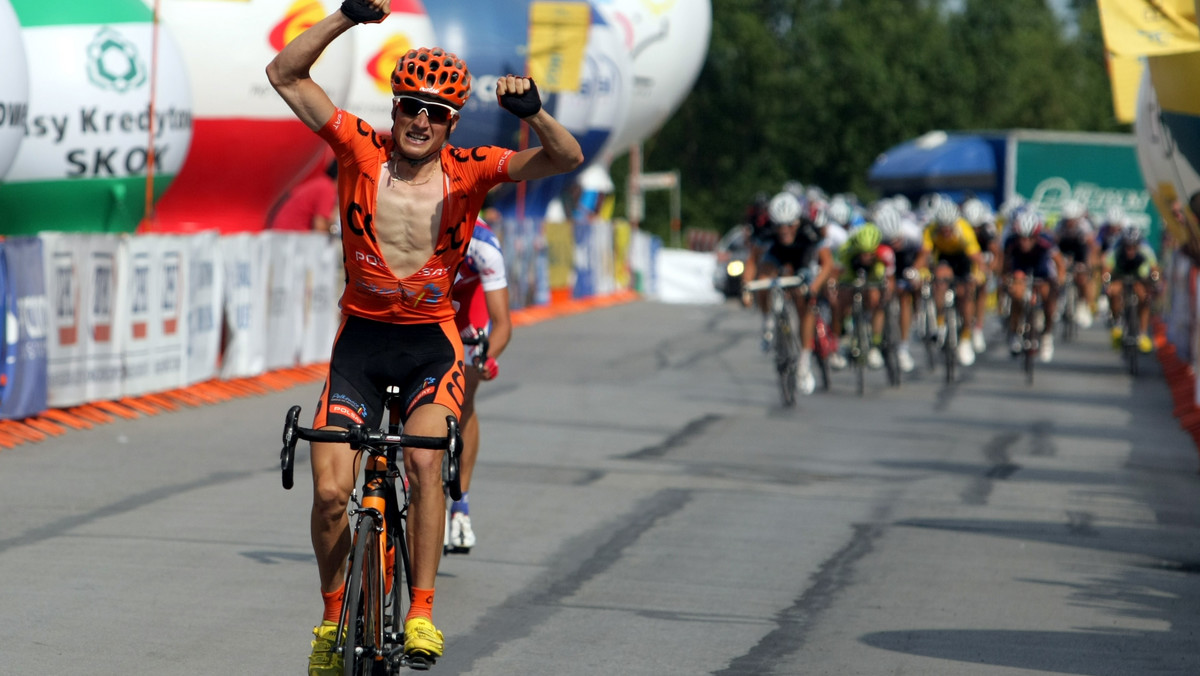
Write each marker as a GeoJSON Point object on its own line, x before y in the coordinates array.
{"type": "Point", "coordinates": [363, 605]}
{"type": "Point", "coordinates": [787, 359]}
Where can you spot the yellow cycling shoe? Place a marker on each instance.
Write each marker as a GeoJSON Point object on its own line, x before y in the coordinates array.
{"type": "Point", "coordinates": [324, 661]}
{"type": "Point", "coordinates": [1117, 335]}
{"type": "Point", "coordinates": [1145, 344]}
{"type": "Point", "coordinates": [422, 640]}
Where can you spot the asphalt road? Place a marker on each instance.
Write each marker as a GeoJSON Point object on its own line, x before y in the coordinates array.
{"type": "Point", "coordinates": [645, 506]}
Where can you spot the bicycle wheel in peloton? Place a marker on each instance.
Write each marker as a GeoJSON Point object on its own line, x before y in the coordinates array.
{"type": "Point", "coordinates": [786, 358]}
{"type": "Point", "coordinates": [950, 343]}
{"type": "Point", "coordinates": [862, 336]}
{"type": "Point", "coordinates": [1070, 298]}
{"type": "Point", "coordinates": [930, 332]}
{"type": "Point", "coordinates": [362, 600]}
{"type": "Point", "coordinates": [891, 341]}
{"type": "Point", "coordinates": [1130, 337]}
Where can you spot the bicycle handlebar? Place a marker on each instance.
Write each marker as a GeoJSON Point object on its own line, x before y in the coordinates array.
{"type": "Point", "coordinates": [376, 441]}
{"type": "Point", "coordinates": [789, 282]}
{"type": "Point", "coordinates": [481, 355]}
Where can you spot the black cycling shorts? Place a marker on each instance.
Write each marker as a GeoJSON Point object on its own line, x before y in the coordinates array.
{"type": "Point", "coordinates": [424, 360]}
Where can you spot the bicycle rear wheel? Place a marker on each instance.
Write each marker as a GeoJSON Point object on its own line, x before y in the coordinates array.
{"type": "Point", "coordinates": [362, 605]}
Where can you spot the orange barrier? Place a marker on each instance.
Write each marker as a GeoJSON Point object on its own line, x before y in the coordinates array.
{"type": "Point", "coordinates": [56, 421]}
{"type": "Point", "coordinates": [1181, 379]}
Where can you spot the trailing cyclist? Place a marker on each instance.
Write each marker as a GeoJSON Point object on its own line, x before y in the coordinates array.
{"type": "Point", "coordinates": [983, 220]}
{"type": "Point", "coordinates": [398, 327]}
{"type": "Point", "coordinates": [864, 252]}
{"type": "Point", "coordinates": [1131, 258]}
{"type": "Point", "coordinates": [794, 249]}
{"type": "Point", "coordinates": [1076, 237]}
{"type": "Point", "coordinates": [906, 244]}
{"type": "Point", "coordinates": [1031, 257]}
{"type": "Point", "coordinates": [956, 258]}
{"type": "Point", "coordinates": [481, 292]}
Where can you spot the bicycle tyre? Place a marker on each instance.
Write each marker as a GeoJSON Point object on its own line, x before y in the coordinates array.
{"type": "Point", "coordinates": [1069, 329]}
{"type": "Point", "coordinates": [930, 333]}
{"type": "Point", "coordinates": [862, 336]}
{"type": "Point", "coordinates": [1129, 338]}
{"type": "Point", "coordinates": [950, 343]}
{"type": "Point", "coordinates": [786, 358]}
{"type": "Point", "coordinates": [891, 341]}
{"type": "Point", "coordinates": [361, 588]}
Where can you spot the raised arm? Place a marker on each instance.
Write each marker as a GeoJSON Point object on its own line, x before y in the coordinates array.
{"type": "Point", "coordinates": [289, 73]}
{"type": "Point", "coordinates": [559, 152]}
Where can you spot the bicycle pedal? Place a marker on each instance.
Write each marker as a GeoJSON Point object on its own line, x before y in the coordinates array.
{"type": "Point", "coordinates": [418, 662]}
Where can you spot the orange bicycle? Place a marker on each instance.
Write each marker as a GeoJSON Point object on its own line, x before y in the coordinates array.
{"type": "Point", "coordinates": [371, 627]}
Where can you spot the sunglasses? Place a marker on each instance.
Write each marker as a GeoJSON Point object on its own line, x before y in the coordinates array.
{"type": "Point", "coordinates": [412, 106]}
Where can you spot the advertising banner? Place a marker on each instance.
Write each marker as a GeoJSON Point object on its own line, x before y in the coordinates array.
{"type": "Point", "coordinates": [205, 289]}
{"type": "Point", "coordinates": [155, 349]}
{"type": "Point", "coordinates": [322, 288]}
{"type": "Point", "coordinates": [64, 259]}
{"type": "Point", "coordinates": [285, 310]}
{"type": "Point", "coordinates": [104, 312]}
{"type": "Point", "coordinates": [23, 391]}
{"type": "Point", "coordinates": [1099, 170]}
{"type": "Point", "coordinates": [247, 262]}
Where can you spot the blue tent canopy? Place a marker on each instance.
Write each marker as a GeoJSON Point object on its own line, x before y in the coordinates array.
{"type": "Point", "coordinates": [939, 162]}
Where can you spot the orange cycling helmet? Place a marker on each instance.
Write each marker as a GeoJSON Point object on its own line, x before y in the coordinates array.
{"type": "Point", "coordinates": [432, 72]}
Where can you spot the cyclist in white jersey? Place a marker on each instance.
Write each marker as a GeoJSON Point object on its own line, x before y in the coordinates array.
{"type": "Point", "coordinates": [481, 292]}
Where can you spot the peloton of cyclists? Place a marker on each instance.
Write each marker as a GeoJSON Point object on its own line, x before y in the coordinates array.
{"type": "Point", "coordinates": [1131, 258]}
{"type": "Point", "coordinates": [1031, 257]}
{"type": "Point", "coordinates": [793, 249]}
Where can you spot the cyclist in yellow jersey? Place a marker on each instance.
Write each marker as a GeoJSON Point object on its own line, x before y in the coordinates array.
{"type": "Point", "coordinates": [956, 257]}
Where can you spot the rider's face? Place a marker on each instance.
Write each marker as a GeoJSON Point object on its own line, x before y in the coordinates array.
{"type": "Point", "coordinates": [787, 233]}
{"type": "Point", "coordinates": [420, 128]}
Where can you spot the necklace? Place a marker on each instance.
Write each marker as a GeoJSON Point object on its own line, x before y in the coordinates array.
{"type": "Point", "coordinates": [392, 174]}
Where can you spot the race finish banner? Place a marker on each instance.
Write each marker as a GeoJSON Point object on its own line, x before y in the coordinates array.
{"type": "Point", "coordinates": [558, 37]}
{"type": "Point", "coordinates": [23, 387]}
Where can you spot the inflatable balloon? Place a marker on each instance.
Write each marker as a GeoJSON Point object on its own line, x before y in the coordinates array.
{"type": "Point", "coordinates": [489, 35]}
{"type": "Point", "coordinates": [247, 146]}
{"type": "Point", "coordinates": [377, 47]}
{"type": "Point", "coordinates": [87, 153]}
{"type": "Point", "coordinates": [667, 41]}
{"type": "Point", "coordinates": [14, 87]}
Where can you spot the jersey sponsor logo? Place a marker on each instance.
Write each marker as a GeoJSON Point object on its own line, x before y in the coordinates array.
{"type": "Point", "coordinates": [343, 410]}
{"type": "Point", "coordinates": [369, 259]}
{"type": "Point", "coordinates": [432, 272]}
{"type": "Point", "coordinates": [359, 221]}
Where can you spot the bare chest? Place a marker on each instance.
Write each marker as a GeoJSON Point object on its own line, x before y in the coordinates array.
{"type": "Point", "coordinates": [408, 220]}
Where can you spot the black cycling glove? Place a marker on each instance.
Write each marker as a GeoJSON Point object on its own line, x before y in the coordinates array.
{"type": "Point", "coordinates": [360, 12]}
{"type": "Point", "coordinates": [523, 105]}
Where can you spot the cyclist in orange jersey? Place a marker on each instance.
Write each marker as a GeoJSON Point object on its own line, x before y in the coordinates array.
{"type": "Point", "coordinates": [408, 203]}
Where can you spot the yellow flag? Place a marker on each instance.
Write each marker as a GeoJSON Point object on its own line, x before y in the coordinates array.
{"type": "Point", "coordinates": [558, 36]}
{"type": "Point", "coordinates": [1149, 27]}
{"type": "Point", "coordinates": [1125, 75]}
